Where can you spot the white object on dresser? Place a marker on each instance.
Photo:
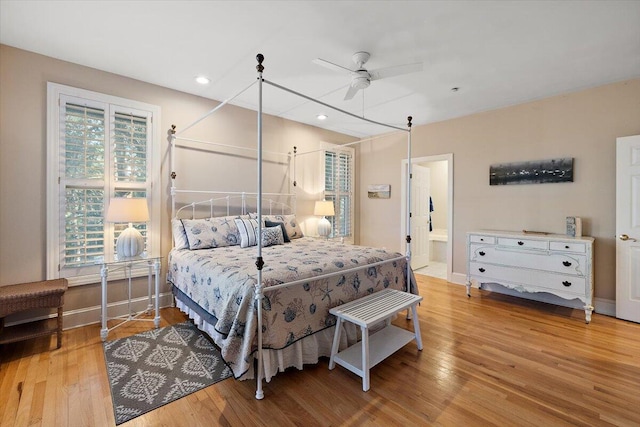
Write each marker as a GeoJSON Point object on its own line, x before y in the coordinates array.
{"type": "Point", "coordinates": [552, 263]}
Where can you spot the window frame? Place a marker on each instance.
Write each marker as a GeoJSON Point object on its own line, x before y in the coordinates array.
{"type": "Point", "coordinates": [56, 95]}
{"type": "Point", "coordinates": [337, 149]}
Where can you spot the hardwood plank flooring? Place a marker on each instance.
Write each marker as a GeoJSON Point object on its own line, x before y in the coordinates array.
{"type": "Point", "coordinates": [488, 360]}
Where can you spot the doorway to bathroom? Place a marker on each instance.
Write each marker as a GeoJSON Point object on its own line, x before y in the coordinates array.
{"type": "Point", "coordinates": [432, 246]}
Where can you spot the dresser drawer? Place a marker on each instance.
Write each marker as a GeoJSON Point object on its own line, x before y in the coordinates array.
{"type": "Point", "coordinates": [523, 243]}
{"type": "Point", "coordinates": [565, 263]}
{"type": "Point", "coordinates": [568, 247]}
{"type": "Point", "coordinates": [526, 280]}
{"type": "Point", "coordinates": [476, 238]}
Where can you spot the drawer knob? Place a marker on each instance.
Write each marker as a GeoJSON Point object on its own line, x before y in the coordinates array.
{"type": "Point", "coordinates": [481, 239]}
{"type": "Point", "coordinates": [482, 270]}
{"type": "Point", "coordinates": [481, 253]}
{"type": "Point", "coordinates": [566, 263]}
{"type": "Point", "coordinates": [566, 283]}
{"type": "Point", "coordinates": [521, 243]}
{"type": "Point", "coordinates": [567, 246]}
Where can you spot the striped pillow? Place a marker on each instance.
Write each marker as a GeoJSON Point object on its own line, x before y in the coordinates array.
{"type": "Point", "coordinates": [248, 229]}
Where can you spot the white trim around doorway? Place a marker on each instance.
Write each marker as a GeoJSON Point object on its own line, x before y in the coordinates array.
{"type": "Point", "coordinates": [437, 158]}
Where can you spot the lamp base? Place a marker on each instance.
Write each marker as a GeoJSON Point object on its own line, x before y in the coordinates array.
{"type": "Point", "coordinates": [130, 243]}
{"type": "Point", "coordinates": [324, 228]}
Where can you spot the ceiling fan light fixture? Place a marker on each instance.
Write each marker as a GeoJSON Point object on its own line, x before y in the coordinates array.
{"type": "Point", "coordinates": [361, 81]}
{"type": "Point", "coordinates": [203, 80]}
{"type": "Point", "coordinates": [361, 77]}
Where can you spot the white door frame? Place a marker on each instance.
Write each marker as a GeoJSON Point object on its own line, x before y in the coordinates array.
{"type": "Point", "coordinates": [403, 204]}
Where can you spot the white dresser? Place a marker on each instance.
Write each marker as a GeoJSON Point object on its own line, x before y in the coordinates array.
{"type": "Point", "coordinates": [552, 263]}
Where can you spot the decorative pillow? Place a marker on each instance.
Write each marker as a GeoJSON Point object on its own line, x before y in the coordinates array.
{"type": "Point", "coordinates": [272, 236]}
{"type": "Point", "coordinates": [290, 224]}
{"type": "Point", "coordinates": [179, 235]}
{"type": "Point", "coordinates": [280, 224]}
{"type": "Point", "coordinates": [211, 232]}
{"type": "Point", "coordinates": [248, 230]}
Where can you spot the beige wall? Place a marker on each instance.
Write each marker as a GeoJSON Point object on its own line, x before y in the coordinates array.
{"type": "Point", "coordinates": [582, 125]}
{"type": "Point", "coordinates": [23, 79]}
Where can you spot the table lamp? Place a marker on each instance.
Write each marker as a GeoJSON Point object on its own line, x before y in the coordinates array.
{"type": "Point", "coordinates": [324, 208]}
{"type": "Point", "coordinates": [130, 243]}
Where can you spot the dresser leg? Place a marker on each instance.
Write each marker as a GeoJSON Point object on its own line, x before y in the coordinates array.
{"type": "Point", "coordinates": [468, 288]}
{"type": "Point", "coordinates": [587, 313]}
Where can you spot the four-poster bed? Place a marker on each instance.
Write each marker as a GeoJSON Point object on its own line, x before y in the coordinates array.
{"type": "Point", "coordinates": [278, 311]}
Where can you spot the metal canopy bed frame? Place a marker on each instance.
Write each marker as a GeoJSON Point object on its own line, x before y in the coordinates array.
{"type": "Point", "coordinates": [258, 196]}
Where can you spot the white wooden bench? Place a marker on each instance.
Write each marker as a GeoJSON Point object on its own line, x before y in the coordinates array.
{"type": "Point", "coordinates": [365, 312]}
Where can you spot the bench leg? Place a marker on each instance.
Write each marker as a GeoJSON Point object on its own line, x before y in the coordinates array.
{"type": "Point", "coordinates": [59, 327]}
{"type": "Point", "coordinates": [336, 343]}
{"type": "Point", "coordinates": [416, 326]}
{"type": "Point", "coordinates": [365, 359]}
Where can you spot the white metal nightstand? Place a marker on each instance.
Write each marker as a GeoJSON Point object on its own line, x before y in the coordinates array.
{"type": "Point", "coordinates": [127, 265]}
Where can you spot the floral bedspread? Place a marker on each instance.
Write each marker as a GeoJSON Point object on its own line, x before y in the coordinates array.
{"type": "Point", "coordinates": [222, 281]}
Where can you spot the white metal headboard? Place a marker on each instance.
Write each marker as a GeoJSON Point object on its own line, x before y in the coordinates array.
{"type": "Point", "coordinates": [229, 204]}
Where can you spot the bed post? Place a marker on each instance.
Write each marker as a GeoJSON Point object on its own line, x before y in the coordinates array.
{"type": "Point", "coordinates": [295, 182]}
{"type": "Point", "coordinates": [172, 155]}
{"type": "Point", "coordinates": [259, 261]}
{"type": "Point", "coordinates": [408, 219]}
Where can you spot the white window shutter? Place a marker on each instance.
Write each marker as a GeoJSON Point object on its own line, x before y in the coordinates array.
{"type": "Point", "coordinates": [338, 181]}
{"type": "Point", "coordinates": [99, 147]}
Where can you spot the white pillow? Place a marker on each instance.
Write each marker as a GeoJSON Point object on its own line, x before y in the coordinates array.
{"type": "Point", "coordinates": [272, 236]}
{"type": "Point", "coordinates": [290, 224]}
{"type": "Point", "coordinates": [179, 235]}
{"type": "Point", "coordinates": [211, 232]}
{"type": "Point", "coordinates": [248, 229]}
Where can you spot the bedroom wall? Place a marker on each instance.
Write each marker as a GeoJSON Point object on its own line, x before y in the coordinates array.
{"type": "Point", "coordinates": [583, 125]}
{"type": "Point", "coordinates": [23, 79]}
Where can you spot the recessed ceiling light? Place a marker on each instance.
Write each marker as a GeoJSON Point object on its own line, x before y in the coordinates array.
{"type": "Point", "coordinates": [322, 116]}
{"type": "Point", "coordinates": [202, 80]}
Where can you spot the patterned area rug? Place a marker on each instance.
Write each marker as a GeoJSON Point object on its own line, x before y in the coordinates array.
{"type": "Point", "coordinates": [156, 367]}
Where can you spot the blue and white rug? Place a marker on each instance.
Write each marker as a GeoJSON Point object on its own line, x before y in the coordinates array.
{"type": "Point", "coordinates": [156, 367]}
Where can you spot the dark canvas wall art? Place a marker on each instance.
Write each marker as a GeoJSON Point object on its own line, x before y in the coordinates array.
{"type": "Point", "coordinates": [532, 172]}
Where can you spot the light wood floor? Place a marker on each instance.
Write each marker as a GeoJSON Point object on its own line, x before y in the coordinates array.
{"type": "Point", "coordinates": [487, 360]}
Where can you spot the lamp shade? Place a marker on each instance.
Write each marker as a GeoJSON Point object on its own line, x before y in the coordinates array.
{"type": "Point", "coordinates": [324, 208]}
{"type": "Point", "coordinates": [122, 209]}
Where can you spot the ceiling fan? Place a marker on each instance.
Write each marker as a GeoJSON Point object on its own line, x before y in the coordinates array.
{"type": "Point", "coordinates": [361, 78]}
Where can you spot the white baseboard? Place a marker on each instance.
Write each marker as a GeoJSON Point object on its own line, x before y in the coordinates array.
{"type": "Point", "coordinates": [458, 278]}
{"type": "Point", "coordinates": [89, 315]}
{"type": "Point", "coordinates": [605, 306]}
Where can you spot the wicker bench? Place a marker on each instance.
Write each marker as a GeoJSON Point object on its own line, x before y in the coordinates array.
{"type": "Point", "coordinates": [28, 296]}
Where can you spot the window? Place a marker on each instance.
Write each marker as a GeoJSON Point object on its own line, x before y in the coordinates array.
{"type": "Point", "coordinates": [338, 187]}
{"type": "Point", "coordinates": [99, 147]}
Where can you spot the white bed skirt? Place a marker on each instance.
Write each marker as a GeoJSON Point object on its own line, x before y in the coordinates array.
{"type": "Point", "coordinates": [306, 351]}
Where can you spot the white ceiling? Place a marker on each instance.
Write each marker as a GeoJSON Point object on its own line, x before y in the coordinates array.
{"type": "Point", "coordinates": [499, 53]}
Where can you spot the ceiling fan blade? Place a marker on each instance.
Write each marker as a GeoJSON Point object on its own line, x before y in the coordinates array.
{"type": "Point", "coordinates": [383, 73]}
{"type": "Point", "coordinates": [351, 92]}
{"type": "Point", "coordinates": [331, 66]}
